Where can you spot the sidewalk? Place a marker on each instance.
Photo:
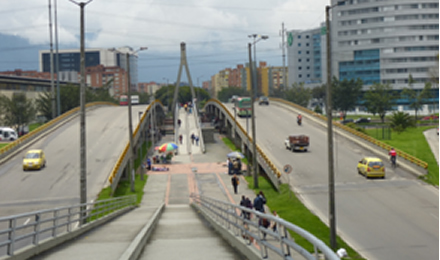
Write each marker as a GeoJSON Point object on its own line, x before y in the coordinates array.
{"type": "Point", "coordinates": [190, 171]}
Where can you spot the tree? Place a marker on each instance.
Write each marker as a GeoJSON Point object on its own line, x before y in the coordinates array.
{"type": "Point", "coordinates": [166, 94]}
{"type": "Point", "coordinates": [379, 99]}
{"type": "Point", "coordinates": [416, 97]}
{"type": "Point", "coordinates": [17, 111]}
{"type": "Point", "coordinates": [319, 93]}
{"type": "Point", "coordinates": [226, 93]}
{"type": "Point", "coordinates": [298, 94]}
{"type": "Point", "coordinates": [345, 94]}
{"type": "Point", "coordinates": [400, 121]}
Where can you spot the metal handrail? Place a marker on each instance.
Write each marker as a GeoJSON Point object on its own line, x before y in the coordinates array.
{"type": "Point", "coordinates": [231, 217]}
{"type": "Point", "coordinates": [30, 229]}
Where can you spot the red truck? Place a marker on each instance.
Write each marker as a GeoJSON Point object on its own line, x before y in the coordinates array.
{"type": "Point", "coordinates": [297, 142]}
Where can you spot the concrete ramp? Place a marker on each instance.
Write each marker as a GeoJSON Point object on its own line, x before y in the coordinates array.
{"type": "Point", "coordinates": [181, 234]}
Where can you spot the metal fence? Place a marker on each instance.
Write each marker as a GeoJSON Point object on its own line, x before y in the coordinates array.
{"type": "Point", "coordinates": [250, 229]}
{"type": "Point", "coordinates": [29, 230]}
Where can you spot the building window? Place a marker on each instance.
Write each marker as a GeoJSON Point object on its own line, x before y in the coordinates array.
{"type": "Point", "coordinates": [307, 44]}
{"type": "Point", "coordinates": [299, 60]}
{"type": "Point", "coordinates": [307, 52]}
{"type": "Point", "coordinates": [308, 67]}
{"type": "Point", "coordinates": [299, 36]}
{"type": "Point", "coordinates": [299, 68]}
{"type": "Point", "coordinates": [299, 44]}
{"type": "Point", "coordinates": [299, 76]}
{"type": "Point", "coordinates": [299, 52]}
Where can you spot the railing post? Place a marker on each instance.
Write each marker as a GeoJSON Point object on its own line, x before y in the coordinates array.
{"type": "Point", "coordinates": [37, 230]}
{"type": "Point", "coordinates": [55, 223]}
{"type": "Point", "coordinates": [69, 213]}
{"type": "Point", "coordinates": [11, 236]}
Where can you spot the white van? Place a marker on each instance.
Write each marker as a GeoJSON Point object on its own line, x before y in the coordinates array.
{"type": "Point", "coordinates": [8, 134]}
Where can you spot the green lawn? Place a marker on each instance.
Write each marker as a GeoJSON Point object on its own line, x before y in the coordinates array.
{"type": "Point", "coordinates": [413, 142]}
{"type": "Point", "coordinates": [291, 209]}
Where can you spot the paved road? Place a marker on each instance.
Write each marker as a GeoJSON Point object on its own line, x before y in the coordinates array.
{"type": "Point", "coordinates": [395, 218]}
{"type": "Point", "coordinates": [432, 138]}
{"type": "Point", "coordinates": [58, 183]}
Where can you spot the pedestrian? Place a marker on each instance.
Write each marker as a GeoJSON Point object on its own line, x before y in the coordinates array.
{"type": "Point", "coordinates": [149, 164]}
{"type": "Point", "coordinates": [179, 122]}
{"type": "Point", "coordinates": [235, 182]}
{"type": "Point", "coordinates": [192, 138]}
{"type": "Point", "coordinates": [259, 202]}
{"type": "Point", "coordinates": [197, 140]}
{"type": "Point", "coordinates": [264, 222]}
{"type": "Point", "coordinates": [235, 164]}
{"type": "Point", "coordinates": [274, 224]}
{"type": "Point", "coordinates": [243, 203]}
{"type": "Point", "coordinates": [180, 139]}
{"type": "Point", "coordinates": [230, 166]}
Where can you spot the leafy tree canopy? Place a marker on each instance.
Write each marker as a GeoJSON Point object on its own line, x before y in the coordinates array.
{"type": "Point", "coordinates": [226, 93]}
{"type": "Point", "coordinates": [17, 111]}
{"type": "Point", "coordinates": [299, 94]}
{"type": "Point", "coordinates": [346, 94]}
{"type": "Point", "coordinates": [379, 99]}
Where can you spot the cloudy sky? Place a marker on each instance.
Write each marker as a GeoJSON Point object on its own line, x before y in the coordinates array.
{"type": "Point", "coordinates": [216, 32]}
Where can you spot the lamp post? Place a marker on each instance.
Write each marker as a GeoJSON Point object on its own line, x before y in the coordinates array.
{"type": "Point", "coordinates": [260, 37]}
{"type": "Point", "coordinates": [168, 94]}
{"type": "Point", "coordinates": [82, 100]}
{"type": "Point", "coordinates": [130, 125]}
{"type": "Point", "coordinates": [329, 112]}
{"type": "Point", "coordinates": [254, 142]}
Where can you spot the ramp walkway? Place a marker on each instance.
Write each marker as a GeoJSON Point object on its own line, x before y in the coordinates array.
{"type": "Point", "coordinates": [179, 232]}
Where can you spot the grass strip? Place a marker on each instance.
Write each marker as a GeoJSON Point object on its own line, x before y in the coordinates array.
{"type": "Point", "coordinates": [291, 209]}
{"type": "Point", "coordinates": [412, 141]}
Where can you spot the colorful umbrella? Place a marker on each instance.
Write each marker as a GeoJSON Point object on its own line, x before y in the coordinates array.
{"type": "Point", "coordinates": [235, 155]}
{"type": "Point", "coordinates": [167, 147]}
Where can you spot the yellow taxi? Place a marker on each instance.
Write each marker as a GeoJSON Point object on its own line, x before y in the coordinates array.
{"type": "Point", "coordinates": [371, 167]}
{"type": "Point", "coordinates": [34, 160]}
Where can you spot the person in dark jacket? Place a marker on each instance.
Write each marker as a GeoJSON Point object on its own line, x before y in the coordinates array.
{"type": "Point", "coordinates": [235, 181]}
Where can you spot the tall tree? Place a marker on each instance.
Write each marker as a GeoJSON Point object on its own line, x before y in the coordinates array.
{"type": "Point", "coordinates": [416, 97]}
{"type": "Point", "coordinates": [17, 111]}
{"type": "Point", "coordinates": [299, 94]}
{"type": "Point", "coordinates": [346, 94]}
{"type": "Point", "coordinates": [226, 93]}
{"type": "Point", "coordinates": [319, 93]}
{"type": "Point", "coordinates": [379, 99]}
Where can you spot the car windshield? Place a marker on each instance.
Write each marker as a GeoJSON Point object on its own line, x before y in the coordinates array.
{"type": "Point", "coordinates": [32, 156]}
{"type": "Point", "coordinates": [372, 164]}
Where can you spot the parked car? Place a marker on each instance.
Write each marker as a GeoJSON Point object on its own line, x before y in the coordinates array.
{"type": "Point", "coordinates": [431, 117]}
{"type": "Point", "coordinates": [346, 121]}
{"type": "Point", "coordinates": [8, 134]}
{"type": "Point", "coordinates": [297, 142]}
{"type": "Point", "coordinates": [34, 160]}
{"type": "Point", "coordinates": [362, 120]}
{"type": "Point", "coordinates": [263, 101]}
{"type": "Point", "coordinates": [371, 167]}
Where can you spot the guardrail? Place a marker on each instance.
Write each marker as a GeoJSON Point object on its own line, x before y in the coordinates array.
{"type": "Point", "coordinates": [249, 229]}
{"type": "Point", "coordinates": [13, 146]}
{"type": "Point", "coordinates": [118, 168]}
{"type": "Point", "coordinates": [26, 234]}
{"type": "Point", "coordinates": [367, 138]}
{"type": "Point", "coordinates": [271, 170]}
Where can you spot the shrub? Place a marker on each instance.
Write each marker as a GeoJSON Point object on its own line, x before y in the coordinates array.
{"type": "Point", "coordinates": [318, 110]}
{"type": "Point", "coordinates": [356, 127]}
{"type": "Point", "coordinates": [400, 121]}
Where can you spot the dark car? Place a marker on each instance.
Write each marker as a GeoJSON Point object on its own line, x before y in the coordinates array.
{"type": "Point", "coordinates": [263, 101]}
{"type": "Point", "coordinates": [346, 121]}
{"type": "Point", "coordinates": [362, 120]}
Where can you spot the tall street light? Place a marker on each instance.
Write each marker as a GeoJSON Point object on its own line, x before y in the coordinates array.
{"type": "Point", "coordinates": [254, 142]}
{"type": "Point", "coordinates": [82, 100]}
{"type": "Point", "coordinates": [168, 94]}
{"type": "Point", "coordinates": [260, 37]}
{"type": "Point", "coordinates": [130, 125]}
{"type": "Point", "coordinates": [329, 112]}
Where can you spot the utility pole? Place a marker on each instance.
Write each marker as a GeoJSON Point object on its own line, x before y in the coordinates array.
{"type": "Point", "coordinates": [82, 100]}
{"type": "Point", "coordinates": [254, 148]}
{"type": "Point", "coordinates": [52, 88]}
{"type": "Point", "coordinates": [57, 66]}
{"type": "Point", "coordinates": [130, 126]}
{"type": "Point", "coordinates": [331, 172]}
{"type": "Point", "coordinates": [283, 46]}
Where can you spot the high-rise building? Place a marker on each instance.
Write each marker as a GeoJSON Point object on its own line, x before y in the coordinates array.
{"type": "Point", "coordinates": [69, 60]}
{"type": "Point", "coordinates": [385, 41]}
{"type": "Point", "coordinates": [305, 56]}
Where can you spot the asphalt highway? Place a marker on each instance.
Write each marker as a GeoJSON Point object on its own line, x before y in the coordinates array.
{"type": "Point", "coordinates": [58, 183]}
{"type": "Point", "coordinates": [391, 218]}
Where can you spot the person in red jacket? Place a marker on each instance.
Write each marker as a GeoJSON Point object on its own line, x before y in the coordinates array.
{"type": "Point", "coordinates": [393, 155]}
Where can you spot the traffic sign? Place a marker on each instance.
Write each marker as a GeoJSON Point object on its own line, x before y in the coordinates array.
{"type": "Point", "coordinates": [287, 168]}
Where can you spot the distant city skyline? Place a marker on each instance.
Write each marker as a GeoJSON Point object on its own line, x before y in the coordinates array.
{"type": "Point", "coordinates": [216, 32]}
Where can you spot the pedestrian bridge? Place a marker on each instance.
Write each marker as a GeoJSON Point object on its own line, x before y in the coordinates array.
{"type": "Point", "coordinates": [171, 220]}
